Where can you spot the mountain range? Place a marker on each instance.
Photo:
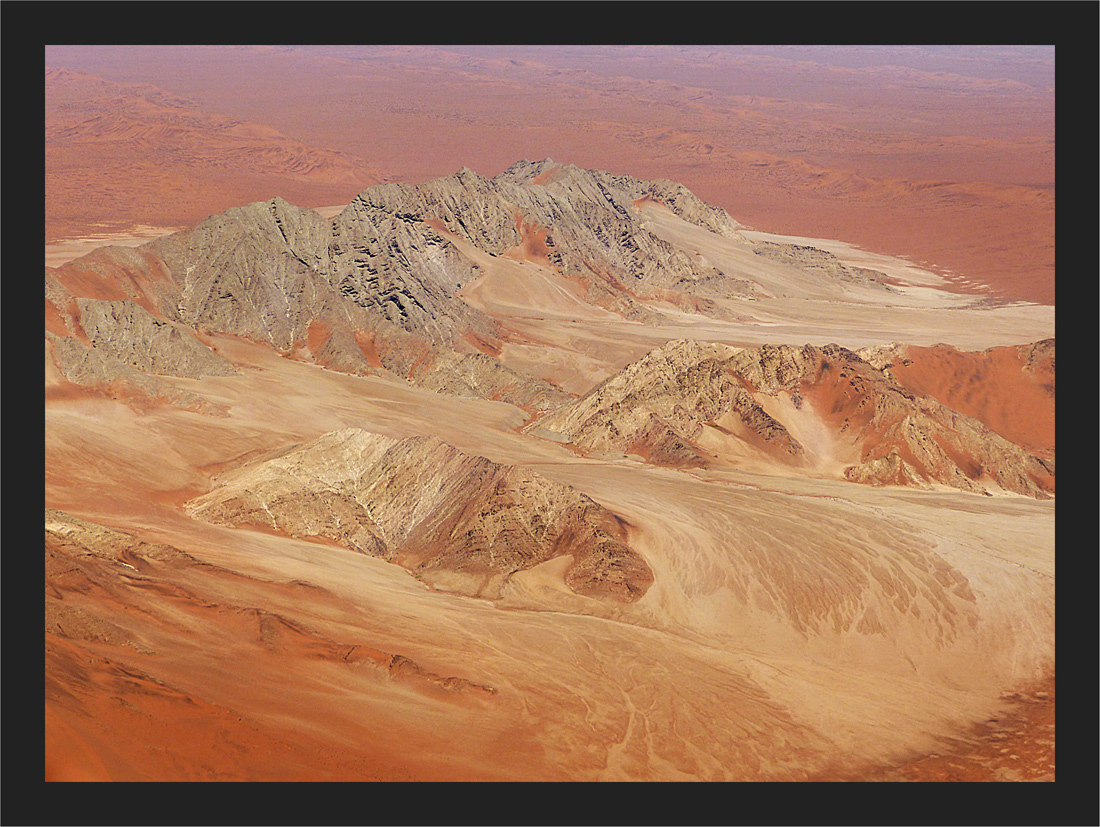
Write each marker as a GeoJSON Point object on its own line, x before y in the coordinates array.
{"type": "Point", "coordinates": [557, 474]}
{"type": "Point", "coordinates": [379, 288]}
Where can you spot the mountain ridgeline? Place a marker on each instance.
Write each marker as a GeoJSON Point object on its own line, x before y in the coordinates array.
{"type": "Point", "coordinates": [376, 290]}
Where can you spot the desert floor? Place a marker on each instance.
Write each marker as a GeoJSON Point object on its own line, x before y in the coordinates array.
{"type": "Point", "coordinates": [753, 656]}
{"type": "Point", "coordinates": [800, 627]}
{"type": "Point", "coordinates": [945, 157]}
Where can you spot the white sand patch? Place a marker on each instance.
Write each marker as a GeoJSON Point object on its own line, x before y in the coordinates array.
{"type": "Point", "coordinates": [62, 252]}
{"type": "Point", "coordinates": [330, 212]}
{"type": "Point", "coordinates": [824, 456]}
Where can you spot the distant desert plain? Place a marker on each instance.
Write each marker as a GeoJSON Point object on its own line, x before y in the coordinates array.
{"type": "Point", "coordinates": [488, 413]}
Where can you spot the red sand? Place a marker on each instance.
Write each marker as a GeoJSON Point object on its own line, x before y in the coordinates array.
{"type": "Point", "coordinates": [954, 170]}
{"type": "Point", "coordinates": [990, 386]}
{"type": "Point", "coordinates": [802, 154]}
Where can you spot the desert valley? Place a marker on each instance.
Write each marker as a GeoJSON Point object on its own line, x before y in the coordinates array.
{"type": "Point", "coordinates": [481, 414]}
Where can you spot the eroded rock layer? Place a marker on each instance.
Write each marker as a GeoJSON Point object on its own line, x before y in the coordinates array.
{"type": "Point", "coordinates": [460, 521]}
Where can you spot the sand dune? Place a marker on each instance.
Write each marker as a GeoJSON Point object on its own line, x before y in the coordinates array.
{"type": "Point", "coordinates": [1010, 389]}
{"type": "Point", "coordinates": [137, 150]}
{"type": "Point", "coordinates": [876, 614]}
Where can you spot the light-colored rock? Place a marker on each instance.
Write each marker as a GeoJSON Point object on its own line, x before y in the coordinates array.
{"type": "Point", "coordinates": [135, 336]}
{"type": "Point", "coordinates": [662, 406]}
{"type": "Point", "coordinates": [462, 522]}
{"type": "Point", "coordinates": [97, 369]}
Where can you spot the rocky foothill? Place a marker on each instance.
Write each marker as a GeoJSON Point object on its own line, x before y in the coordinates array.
{"type": "Point", "coordinates": [460, 521]}
{"type": "Point", "coordinates": [376, 289]}
{"type": "Point", "coordinates": [663, 407]}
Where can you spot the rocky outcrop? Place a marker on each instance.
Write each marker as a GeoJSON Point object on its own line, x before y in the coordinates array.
{"type": "Point", "coordinates": [267, 270]}
{"type": "Point", "coordinates": [136, 337]}
{"type": "Point", "coordinates": [263, 272]}
{"type": "Point", "coordinates": [398, 266]}
{"type": "Point", "coordinates": [98, 370]}
{"type": "Point", "coordinates": [658, 406]}
{"type": "Point", "coordinates": [105, 331]}
{"type": "Point", "coordinates": [819, 263]}
{"type": "Point", "coordinates": [930, 443]}
{"type": "Point", "coordinates": [586, 221]}
{"type": "Point", "coordinates": [367, 291]}
{"type": "Point", "coordinates": [669, 406]}
{"type": "Point", "coordinates": [252, 271]}
{"type": "Point", "coordinates": [376, 288]}
{"type": "Point", "coordinates": [458, 521]}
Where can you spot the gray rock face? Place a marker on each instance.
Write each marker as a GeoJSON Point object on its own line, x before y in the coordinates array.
{"type": "Point", "coordinates": [135, 336]}
{"type": "Point", "coordinates": [253, 271]}
{"type": "Point", "coordinates": [401, 268]}
{"type": "Point", "coordinates": [99, 370]}
{"type": "Point", "coordinates": [267, 270]}
{"type": "Point", "coordinates": [275, 273]}
{"type": "Point", "coordinates": [119, 346]}
{"type": "Point", "coordinates": [452, 518]}
{"type": "Point", "coordinates": [820, 263]}
{"type": "Point", "coordinates": [593, 232]}
{"type": "Point", "coordinates": [375, 290]}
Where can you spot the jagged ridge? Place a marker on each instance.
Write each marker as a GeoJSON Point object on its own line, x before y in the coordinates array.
{"type": "Point", "coordinates": [669, 406]}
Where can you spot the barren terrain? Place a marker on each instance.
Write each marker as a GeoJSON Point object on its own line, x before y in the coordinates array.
{"type": "Point", "coordinates": [943, 156]}
{"type": "Point", "coordinates": [231, 597]}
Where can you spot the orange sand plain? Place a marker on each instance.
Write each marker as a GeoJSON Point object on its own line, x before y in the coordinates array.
{"type": "Point", "coordinates": [954, 170]}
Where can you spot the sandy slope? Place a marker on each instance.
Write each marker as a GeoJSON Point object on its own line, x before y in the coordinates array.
{"type": "Point", "coordinates": [796, 627]}
{"type": "Point", "coordinates": [557, 340]}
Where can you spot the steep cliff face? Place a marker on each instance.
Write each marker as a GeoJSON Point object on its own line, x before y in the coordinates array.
{"type": "Point", "coordinates": [460, 521]}
{"type": "Point", "coordinates": [822, 409]}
